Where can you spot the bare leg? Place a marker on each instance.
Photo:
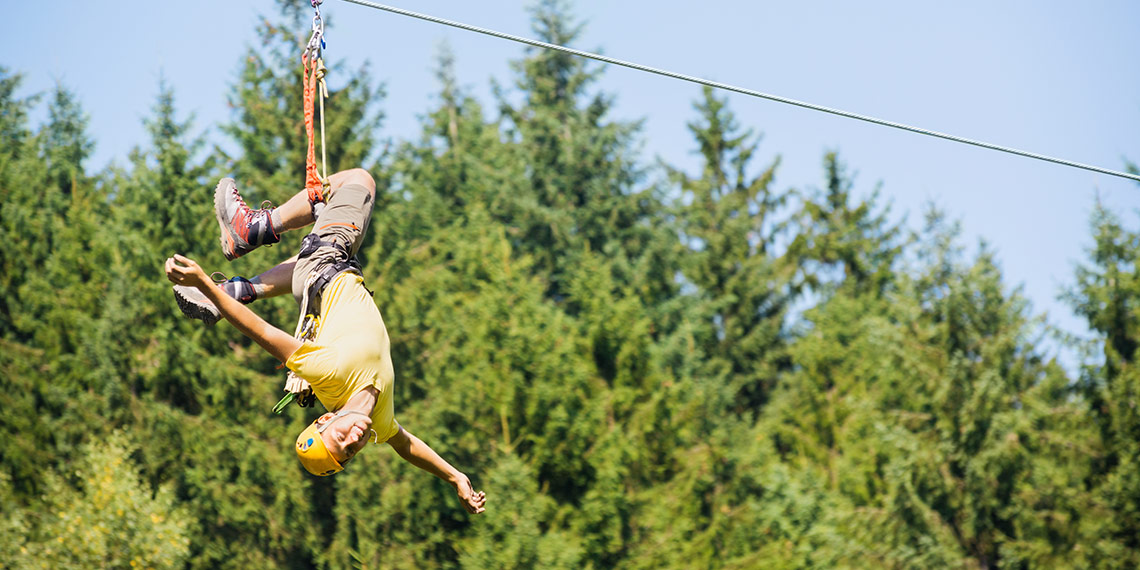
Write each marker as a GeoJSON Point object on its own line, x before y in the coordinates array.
{"type": "Point", "coordinates": [297, 212]}
{"type": "Point", "coordinates": [278, 280]}
{"type": "Point", "coordinates": [294, 214]}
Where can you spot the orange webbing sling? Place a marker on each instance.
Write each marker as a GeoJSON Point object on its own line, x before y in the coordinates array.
{"type": "Point", "coordinates": [313, 79]}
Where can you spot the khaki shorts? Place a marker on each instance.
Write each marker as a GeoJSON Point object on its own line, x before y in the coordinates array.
{"type": "Point", "coordinates": [344, 220]}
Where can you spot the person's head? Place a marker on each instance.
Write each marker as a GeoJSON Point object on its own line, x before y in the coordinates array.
{"type": "Point", "coordinates": [332, 440]}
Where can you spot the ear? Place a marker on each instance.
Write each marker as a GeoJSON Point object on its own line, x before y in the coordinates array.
{"type": "Point", "coordinates": [326, 417]}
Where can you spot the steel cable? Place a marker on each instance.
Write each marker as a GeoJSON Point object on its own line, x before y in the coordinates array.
{"type": "Point", "coordinates": [750, 92]}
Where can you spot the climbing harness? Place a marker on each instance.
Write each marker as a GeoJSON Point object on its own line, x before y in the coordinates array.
{"type": "Point", "coordinates": [323, 277]}
{"type": "Point", "coordinates": [309, 322]}
{"type": "Point", "coordinates": [741, 90]}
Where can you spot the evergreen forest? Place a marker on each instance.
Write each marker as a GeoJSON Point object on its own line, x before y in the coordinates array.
{"type": "Point", "coordinates": [644, 366]}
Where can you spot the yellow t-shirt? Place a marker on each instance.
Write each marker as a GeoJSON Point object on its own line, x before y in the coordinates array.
{"type": "Point", "coordinates": [349, 353]}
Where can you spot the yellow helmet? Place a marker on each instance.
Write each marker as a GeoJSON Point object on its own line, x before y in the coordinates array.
{"type": "Point", "coordinates": [311, 450]}
{"type": "Point", "coordinates": [314, 456]}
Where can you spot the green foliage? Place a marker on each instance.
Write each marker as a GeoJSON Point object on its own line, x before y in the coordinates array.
{"type": "Point", "coordinates": [1107, 294]}
{"type": "Point", "coordinates": [512, 536]}
{"type": "Point", "coordinates": [101, 515]}
{"type": "Point", "coordinates": [730, 222]}
{"type": "Point", "coordinates": [65, 144]}
{"type": "Point", "coordinates": [18, 163]}
{"type": "Point", "coordinates": [837, 234]}
{"type": "Point", "coordinates": [705, 372]}
{"type": "Point", "coordinates": [579, 178]}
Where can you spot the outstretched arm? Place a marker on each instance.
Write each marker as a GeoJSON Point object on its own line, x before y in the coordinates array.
{"type": "Point", "coordinates": [418, 453]}
{"type": "Point", "coordinates": [185, 271]}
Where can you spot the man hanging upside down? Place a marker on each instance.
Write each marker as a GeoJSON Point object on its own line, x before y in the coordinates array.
{"type": "Point", "coordinates": [345, 360]}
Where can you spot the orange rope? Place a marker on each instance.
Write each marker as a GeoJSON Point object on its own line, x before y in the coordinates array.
{"type": "Point", "coordinates": [313, 183]}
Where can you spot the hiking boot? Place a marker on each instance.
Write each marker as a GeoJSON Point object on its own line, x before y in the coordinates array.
{"type": "Point", "coordinates": [196, 305]}
{"type": "Point", "coordinates": [243, 228]}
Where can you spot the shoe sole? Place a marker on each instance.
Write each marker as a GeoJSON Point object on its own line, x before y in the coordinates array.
{"type": "Point", "coordinates": [229, 247]}
{"type": "Point", "coordinates": [195, 305]}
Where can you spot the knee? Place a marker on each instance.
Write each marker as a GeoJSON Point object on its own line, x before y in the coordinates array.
{"type": "Point", "coordinates": [362, 177]}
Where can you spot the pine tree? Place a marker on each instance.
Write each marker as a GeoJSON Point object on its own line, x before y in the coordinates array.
{"type": "Point", "coordinates": [729, 221]}
{"type": "Point", "coordinates": [44, 185]}
{"type": "Point", "coordinates": [718, 362]}
{"type": "Point", "coordinates": [13, 115]}
{"type": "Point", "coordinates": [485, 368]}
{"type": "Point", "coordinates": [1106, 294]}
{"type": "Point", "coordinates": [66, 143]}
{"type": "Point", "coordinates": [459, 162]}
{"type": "Point", "coordinates": [50, 280]}
{"type": "Point", "coordinates": [18, 164]}
{"type": "Point", "coordinates": [580, 169]}
{"type": "Point", "coordinates": [840, 233]}
{"type": "Point", "coordinates": [945, 438]}
{"type": "Point", "coordinates": [63, 270]}
{"type": "Point", "coordinates": [1003, 417]}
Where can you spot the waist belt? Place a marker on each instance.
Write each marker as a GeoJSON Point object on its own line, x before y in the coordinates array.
{"type": "Point", "coordinates": [315, 285]}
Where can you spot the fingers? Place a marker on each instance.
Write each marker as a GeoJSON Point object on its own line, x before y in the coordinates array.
{"type": "Point", "coordinates": [475, 503]}
{"type": "Point", "coordinates": [172, 271]}
{"type": "Point", "coordinates": [179, 269]}
{"type": "Point", "coordinates": [179, 260]}
{"type": "Point", "coordinates": [472, 500]}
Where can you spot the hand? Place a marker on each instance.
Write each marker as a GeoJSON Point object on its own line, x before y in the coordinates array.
{"type": "Point", "coordinates": [472, 501]}
{"type": "Point", "coordinates": [185, 271]}
{"type": "Point", "coordinates": [296, 385]}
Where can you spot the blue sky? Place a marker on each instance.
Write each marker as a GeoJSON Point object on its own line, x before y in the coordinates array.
{"type": "Point", "coordinates": [1056, 78]}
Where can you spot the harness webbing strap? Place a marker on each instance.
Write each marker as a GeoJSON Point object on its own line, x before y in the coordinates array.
{"type": "Point", "coordinates": [318, 280]}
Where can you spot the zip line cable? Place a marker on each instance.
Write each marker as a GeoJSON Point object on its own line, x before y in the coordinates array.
{"type": "Point", "coordinates": [744, 91]}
